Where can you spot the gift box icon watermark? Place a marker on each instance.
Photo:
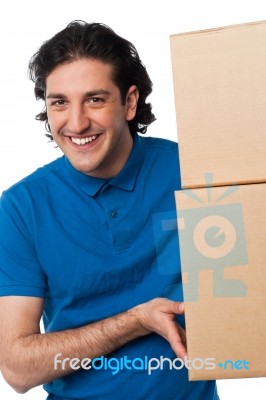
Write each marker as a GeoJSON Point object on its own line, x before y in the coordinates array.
{"type": "Point", "coordinates": [211, 237]}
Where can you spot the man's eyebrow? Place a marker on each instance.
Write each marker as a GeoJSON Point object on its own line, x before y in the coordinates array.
{"type": "Point", "coordinates": [91, 93]}
{"type": "Point", "coordinates": [96, 92]}
{"type": "Point", "coordinates": [56, 96]}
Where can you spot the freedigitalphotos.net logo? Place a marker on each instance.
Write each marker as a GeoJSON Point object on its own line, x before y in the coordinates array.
{"type": "Point", "coordinates": [146, 364]}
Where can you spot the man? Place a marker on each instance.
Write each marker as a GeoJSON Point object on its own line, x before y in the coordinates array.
{"type": "Point", "coordinates": [79, 244]}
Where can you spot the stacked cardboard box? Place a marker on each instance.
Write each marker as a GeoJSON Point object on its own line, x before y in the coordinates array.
{"type": "Point", "coordinates": [220, 94]}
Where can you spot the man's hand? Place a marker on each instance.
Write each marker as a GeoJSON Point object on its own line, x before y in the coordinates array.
{"type": "Point", "coordinates": [159, 315]}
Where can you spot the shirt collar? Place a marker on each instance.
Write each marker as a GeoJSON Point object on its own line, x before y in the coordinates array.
{"type": "Point", "coordinates": [126, 179]}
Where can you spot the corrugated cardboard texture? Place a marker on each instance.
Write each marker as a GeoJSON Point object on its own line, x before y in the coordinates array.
{"type": "Point", "coordinates": [219, 83]}
{"type": "Point", "coordinates": [224, 277]}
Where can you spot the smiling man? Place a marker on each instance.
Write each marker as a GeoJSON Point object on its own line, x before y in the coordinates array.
{"type": "Point", "coordinates": [77, 239]}
{"type": "Point", "coordinates": [87, 118]}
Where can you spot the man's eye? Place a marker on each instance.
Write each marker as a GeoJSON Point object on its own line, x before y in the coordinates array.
{"type": "Point", "coordinates": [95, 100]}
{"type": "Point", "coordinates": [58, 103]}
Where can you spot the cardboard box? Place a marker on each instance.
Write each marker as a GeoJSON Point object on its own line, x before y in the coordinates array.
{"type": "Point", "coordinates": [222, 234]}
{"type": "Point", "coordinates": [219, 84]}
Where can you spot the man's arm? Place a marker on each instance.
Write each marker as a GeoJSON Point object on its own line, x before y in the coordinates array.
{"type": "Point", "coordinates": [27, 356]}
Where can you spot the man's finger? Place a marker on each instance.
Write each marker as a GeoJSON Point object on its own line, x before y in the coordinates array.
{"type": "Point", "coordinates": [174, 307]}
{"type": "Point", "coordinates": [179, 348]}
{"type": "Point", "coordinates": [177, 340]}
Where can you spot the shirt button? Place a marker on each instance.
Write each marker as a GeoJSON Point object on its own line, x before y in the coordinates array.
{"type": "Point", "coordinates": [114, 214]}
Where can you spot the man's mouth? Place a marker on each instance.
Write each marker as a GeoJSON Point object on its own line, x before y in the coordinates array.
{"type": "Point", "coordinates": [84, 140]}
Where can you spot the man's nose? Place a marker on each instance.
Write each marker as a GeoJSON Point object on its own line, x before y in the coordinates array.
{"type": "Point", "coordinates": [78, 120]}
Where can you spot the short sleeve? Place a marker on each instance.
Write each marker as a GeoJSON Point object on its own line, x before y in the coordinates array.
{"type": "Point", "coordinates": [20, 271]}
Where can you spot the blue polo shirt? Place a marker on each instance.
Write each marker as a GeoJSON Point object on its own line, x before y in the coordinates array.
{"type": "Point", "coordinates": [94, 248]}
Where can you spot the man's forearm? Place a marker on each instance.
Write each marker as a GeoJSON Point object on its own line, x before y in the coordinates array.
{"type": "Point", "coordinates": [27, 357]}
{"type": "Point", "coordinates": [30, 361]}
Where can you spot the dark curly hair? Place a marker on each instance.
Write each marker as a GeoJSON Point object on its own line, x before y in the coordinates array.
{"type": "Point", "coordinates": [97, 41]}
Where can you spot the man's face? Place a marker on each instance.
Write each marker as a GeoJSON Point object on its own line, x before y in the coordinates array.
{"type": "Point", "coordinates": [87, 118]}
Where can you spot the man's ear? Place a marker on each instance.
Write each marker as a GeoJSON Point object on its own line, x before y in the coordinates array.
{"type": "Point", "coordinates": [131, 102]}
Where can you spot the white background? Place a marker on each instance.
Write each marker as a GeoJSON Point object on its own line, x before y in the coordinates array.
{"type": "Point", "coordinates": [26, 24]}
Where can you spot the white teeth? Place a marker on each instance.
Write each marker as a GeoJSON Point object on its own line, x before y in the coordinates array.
{"type": "Point", "coordinates": [83, 141]}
